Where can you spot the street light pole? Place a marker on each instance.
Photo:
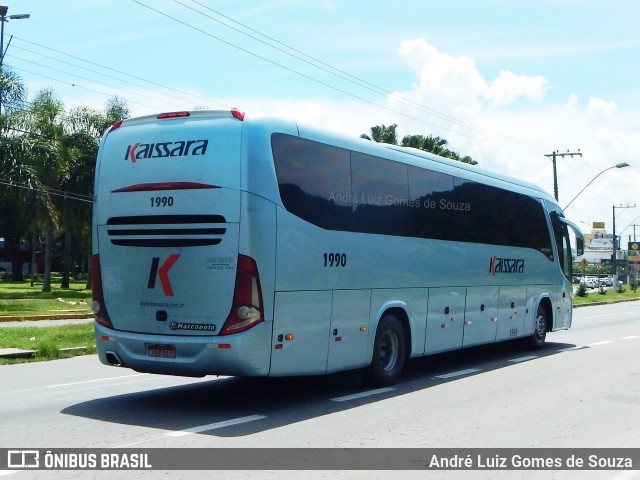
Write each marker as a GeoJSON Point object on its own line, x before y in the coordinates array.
{"type": "Point", "coordinates": [619, 165]}
{"type": "Point", "coordinates": [5, 18]}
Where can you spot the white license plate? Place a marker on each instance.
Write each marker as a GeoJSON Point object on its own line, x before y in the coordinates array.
{"type": "Point", "coordinates": [162, 351]}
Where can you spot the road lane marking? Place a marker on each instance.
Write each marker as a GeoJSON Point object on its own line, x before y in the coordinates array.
{"type": "Point", "coordinates": [368, 393]}
{"type": "Point", "coordinates": [214, 426]}
{"type": "Point", "coordinates": [601, 316]}
{"type": "Point", "coordinates": [604, 342]}
{"type": "Point", "coordinates": [523, 359]}
{"type": "Point", "coordinates": [626, 475]}
{"type": "Point", "coordinates": [459, 373]}
{"type": "Point", "coordinates": [630, 338]}
{"type": "Point", "coordinates": [94, 380]}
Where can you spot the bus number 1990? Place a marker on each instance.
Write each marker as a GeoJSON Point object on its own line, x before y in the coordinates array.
{"type": "Point", "coordinates": [161, 201]}
{"type": "Point", "coordinates": [335, 259]}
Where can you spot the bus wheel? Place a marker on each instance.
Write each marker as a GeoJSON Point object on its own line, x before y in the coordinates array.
{"type": "Point", "coordinates": [536, 341]}
{"type": "Point", "coordinates": [389, 353]}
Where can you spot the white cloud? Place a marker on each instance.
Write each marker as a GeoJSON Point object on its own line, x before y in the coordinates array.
{"type": "Point", "coordinates": [489, 113]}
{"type": "Point", "coordinates": [443, 80]}
{"type": "Point", "coordinates": [454, 82]}
{"type": "Point", "coordinates": [599, 108]}
{"type": "Point", "coordinates": [508, 87]}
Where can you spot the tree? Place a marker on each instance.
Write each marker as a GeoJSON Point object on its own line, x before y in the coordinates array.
{"type": "Point", "coordinates": [79, 146]}
{"type": "Point", "coordinates": [435, 145]}
{"type": "Point", "coordinates": [42, 122]}
{"type": "Point", "coordinates": [22, 195]}
{"type": "Point", "coordinates": [83, 129]}
{"type": "Point", "coordinates": [23, 199]}
{"type": "Point", "coordinates": [429, 143]}
{"type": "Point", "coordinates": [47, 164]}
{"type": "Point", "coordinates": [12, 89]}
{"type": "Point", "coordinates": [383, 134]}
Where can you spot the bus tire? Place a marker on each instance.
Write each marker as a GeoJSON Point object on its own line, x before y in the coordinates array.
{"type": "Point", "coordinates": [389, 353]}
{"type": "Point", "coordinates": [536, 340]}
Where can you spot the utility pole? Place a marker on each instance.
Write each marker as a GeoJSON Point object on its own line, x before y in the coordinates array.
{"type": "Point", "coordinates": [634, 225]}
{"type": "Point", "coordinates": [553, 156]}
{"type": "Point", "coordinates": [614, 256]}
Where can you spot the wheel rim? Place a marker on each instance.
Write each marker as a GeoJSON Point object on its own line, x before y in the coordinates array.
{"type": "Point", "coordinates": [541, 327]}
{"type": "Point", "coordinates": [389, 351]}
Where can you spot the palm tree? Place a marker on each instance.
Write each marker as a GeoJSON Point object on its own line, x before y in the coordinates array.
{"type": "Point", "coordinates": [428, 143]}
{"type": "Point", "coordinates": [80, 147]}
{"type": "Point", "coordinates": [436, 145]}
{"type": "Point", "coordinates": [383, 134]}
{"type": "Point", "coordinates": [22, 196]}
{"type": "Point", "coordinates": [83, 129]}
{"type": "Point", "coordinates": [12, 89]}
{"type": "Point", "coordinates": [47, 163]}
{"type": "Point", "coordinates": [41, 123]}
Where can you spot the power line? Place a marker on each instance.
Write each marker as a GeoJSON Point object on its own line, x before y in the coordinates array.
{"type": "Point", "coordinates": [320, 82]}
{"type": "Point", "coordinates": [90, 80]}
{"type": "Point", "coordinates": [299, 55]}
{"type": "Point", "coordinates": [171, 91]}
{"type": "Point", "coordinates": [51, 191]}
{"type": "Point", "coordinates": [344, 75]}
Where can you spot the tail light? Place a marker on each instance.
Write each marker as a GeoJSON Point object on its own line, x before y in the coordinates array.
{"type": "Point", "coordinates": [246, 310]}
{"type": "Point", "coordinates": [115, 126]}
{"type": "Point", "coordinates": [237, 114]}
{"type": "Point", "coordinates": [99, 309]}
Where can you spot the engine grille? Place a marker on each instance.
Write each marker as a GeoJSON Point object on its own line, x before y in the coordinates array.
{"type": "Point", "coordinates": [166, 230]}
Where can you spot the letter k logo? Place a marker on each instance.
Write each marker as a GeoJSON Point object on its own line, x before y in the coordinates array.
{"type": "Point", "coordinates": [131, 152]}
{"type": "Point", "coordinates": [163, 273]}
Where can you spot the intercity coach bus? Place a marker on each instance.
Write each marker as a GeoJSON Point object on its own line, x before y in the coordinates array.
{"type": "Point", "coordinates": [261, 247]}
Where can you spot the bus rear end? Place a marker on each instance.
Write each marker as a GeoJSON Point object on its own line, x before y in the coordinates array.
{"type": "Point", "coordinates": [172, 293]}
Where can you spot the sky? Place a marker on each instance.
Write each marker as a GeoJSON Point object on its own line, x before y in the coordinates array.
{"type": "Point", "coordinates": [505, 82]}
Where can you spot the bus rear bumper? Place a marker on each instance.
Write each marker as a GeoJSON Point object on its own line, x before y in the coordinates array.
{"type": "Point", "coordinates": [243, 354]}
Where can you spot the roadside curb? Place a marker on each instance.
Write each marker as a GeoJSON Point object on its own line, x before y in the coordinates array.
{"type": "Point", "coordinates": [29, 318]}
{"type": "Point", "coordinates": [606, 303]}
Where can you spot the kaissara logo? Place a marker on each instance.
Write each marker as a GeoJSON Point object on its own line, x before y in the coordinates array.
{"type": "Point", "coordinates": [180, 148]}
{"type": "Point", "coordinates": [162, 272]}
{"type": "Point", "coordinates": [506, 265]}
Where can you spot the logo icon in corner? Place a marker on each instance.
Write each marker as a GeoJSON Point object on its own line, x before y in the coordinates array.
{"type": "Point", "coordinates": [162, 272]}
{"type": "Point", "coordinates": [23, 459]}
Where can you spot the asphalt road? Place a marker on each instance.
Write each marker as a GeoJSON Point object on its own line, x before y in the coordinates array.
{"type": "Point", "coordinates": [581, 390]}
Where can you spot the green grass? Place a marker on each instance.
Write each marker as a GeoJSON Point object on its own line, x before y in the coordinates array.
{"type": "Point", "coordinates": [47, 341]}
{"type": "Point", "coordinates": [21, 299]}
{"type": "Point", "coordinates": [26, 308]}
{"type": "Point", "coordinates": [593, 296]}
{"type": "Point", "coordinates": [76, 291]}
